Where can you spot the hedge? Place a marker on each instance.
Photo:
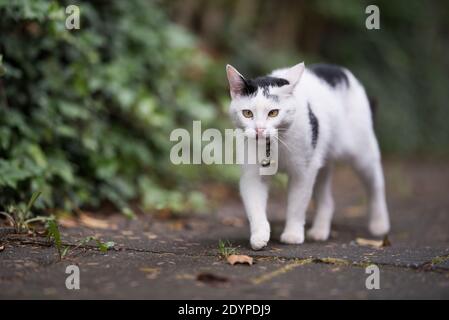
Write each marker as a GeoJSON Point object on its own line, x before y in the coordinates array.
{"type": "Point", "coordinates": [85, 115]}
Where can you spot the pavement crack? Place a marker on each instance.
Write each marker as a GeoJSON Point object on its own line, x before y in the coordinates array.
{"type": "Point", "coordinates": [432, 265]}
{"type": "Point", "coordinates": [293, 261]}
{"type": "Point", "coordinates": [282, 270]}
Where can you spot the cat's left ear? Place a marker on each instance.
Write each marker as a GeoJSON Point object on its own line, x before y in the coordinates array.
{"type": "Point", "coordinates": [293, 74]}
{"type": "Point", "coordinates": [236, 81]}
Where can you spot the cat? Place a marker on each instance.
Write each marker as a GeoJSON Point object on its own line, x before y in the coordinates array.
{"type": "Point", "coordinates": [320, 114]}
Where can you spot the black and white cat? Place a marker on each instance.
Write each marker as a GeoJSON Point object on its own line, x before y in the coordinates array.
{"type": "Point", "coordinates": [321, 114]}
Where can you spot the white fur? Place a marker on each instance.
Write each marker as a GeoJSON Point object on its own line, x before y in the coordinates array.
{"type": "Point", "coordinates": [345, 133]}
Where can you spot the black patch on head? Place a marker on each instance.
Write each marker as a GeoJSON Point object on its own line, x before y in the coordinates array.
{"type": "Point", "coordinates": [313, 120]}
{"type": "Point", "coordinates": [252, 85]}
{"type": "Point", "coordinates": [332, 74]}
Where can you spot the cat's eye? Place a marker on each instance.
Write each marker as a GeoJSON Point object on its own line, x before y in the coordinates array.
{"type": "Point", "coordinates": [273, 113]}
{"type": "Point", "coordinates": [247, 113]}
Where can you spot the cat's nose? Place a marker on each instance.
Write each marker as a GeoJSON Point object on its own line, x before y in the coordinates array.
{"type": "Point", "coordinates": [260, 131]}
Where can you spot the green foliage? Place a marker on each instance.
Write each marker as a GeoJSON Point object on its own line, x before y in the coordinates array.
{"type": "Point", "coordinates": [85, 115]}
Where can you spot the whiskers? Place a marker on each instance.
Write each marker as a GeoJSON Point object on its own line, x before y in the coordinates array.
{"type": "Point", "coordinates": [283, 142]}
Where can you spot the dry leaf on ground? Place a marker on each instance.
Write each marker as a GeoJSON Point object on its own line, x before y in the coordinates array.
{"type": "Point", "coordinates": [237, 258]}
{"type": "Point", "coordinates": [2, 248]}
{"type": "Point", "coordinates": [67, 222]}
{"type": "Point", "coordinates": [151, 273]}
{"type": "Point", "coordinates": [211, 278]}
{"type": "Point", "coordinates": [233, 221]}
{"type": "Point", "coordinates": [373, 243]}
{"type": "Point", "coordinates": [185, 276]}
{"type": "Point", "coordinates": [176, 225]}
{"type": "Point", "coordinates": [150, 235]}
{"type": "Point", "coordinates": [95, 223]}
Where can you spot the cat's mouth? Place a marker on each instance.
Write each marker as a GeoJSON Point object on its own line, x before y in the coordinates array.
{"type": "Point", "coordinates": [267, 134]}
{"type": "Point", "coordinates": [271, 133]}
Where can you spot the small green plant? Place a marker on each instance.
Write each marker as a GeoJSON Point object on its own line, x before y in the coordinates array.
{"type": "Point", "coordinates": [22, 217]}
{"type": "Point", "coordinates": [54, 234]}
{"type": "Point", "coordinates": [63, 250]}
{"type": "Point", "coordinates": [225, 248]}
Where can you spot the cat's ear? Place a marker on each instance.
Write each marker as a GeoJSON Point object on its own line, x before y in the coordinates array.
{"type": "Point", "coordinates": [293, 74]}
{"type": "Point", "coordinates": [236, 81]}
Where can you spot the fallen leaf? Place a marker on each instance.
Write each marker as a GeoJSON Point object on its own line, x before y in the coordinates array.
{"type": "Point", "coordinates": [184, 276]}
{"type": "Point", "coordinates": [373, 243]}
{"type": "Point", "coordinates": [151, 270]}
{"type": "Point", "coordinates": [196, 225]}
{"type": "Point", "coordinates": [176, 225]}
{"type": "Point", "coordinates": [2, 248]}
{"type": "Point", "coordinates": [41, 232]}
{"type": "Point", "coordinates": [164, 214]}
{"type": "Point", "coordinates": [233, 221]}
{"type": "Point", "coordinates": [95, 223]}
{"type": "Point", "coordinates": [369, 243]}
{"type": "Point", "coordinates": [67, 222]}
{"type": "Point", "coordinates": [211, 278]}
{"type": "Point", "coordinates": [237, 258]}
{"type": "Point", "coordinates": [150, 235]}
{"type": "Point", "coordinates": [151, 273]}
{"type": "Point", "coordinates": [218, 192]}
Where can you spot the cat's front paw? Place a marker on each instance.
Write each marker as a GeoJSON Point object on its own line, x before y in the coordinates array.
{"type": "Point", "coordinates": [379, 227]}
{"type": "Point", "coordinates": [290, 237]}
{"type": "Point", "coordinates": [259, 240]}
{"type": "Point", "coordinates": [318, 233]}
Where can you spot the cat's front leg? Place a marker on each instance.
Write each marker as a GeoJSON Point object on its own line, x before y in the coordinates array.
{"type": "Point", "coordinates": [300, 188]}
{"type": "Point", "coordinates": [254, 192]}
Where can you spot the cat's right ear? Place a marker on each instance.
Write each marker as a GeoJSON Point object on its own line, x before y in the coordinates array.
{"type": "Point", "coordinates": [236, 81]}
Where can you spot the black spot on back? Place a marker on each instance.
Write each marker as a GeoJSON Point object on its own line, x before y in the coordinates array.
{"type": "Point", "coordinates": [314, 126]}
{"type": "Point", "coordinates": [332, 74]}
{"type": "Point", "coordinates": [252, 85]}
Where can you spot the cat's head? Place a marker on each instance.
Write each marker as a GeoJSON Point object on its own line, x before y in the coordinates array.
{"type": "Point", "coordinates": [263, 105]}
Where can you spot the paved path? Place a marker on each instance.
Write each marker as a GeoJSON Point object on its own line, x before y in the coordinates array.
{"type": "Point", "coordinates": [156, 258]}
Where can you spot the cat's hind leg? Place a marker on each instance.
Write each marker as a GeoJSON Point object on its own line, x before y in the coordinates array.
{"type": "Point", "coordinates": [324, 205]}
{"type": "Point", "coordinates": [300, 187]}
{"type": "Point", "coordinates": [368, 166]}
